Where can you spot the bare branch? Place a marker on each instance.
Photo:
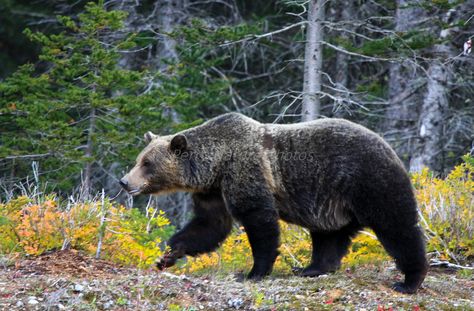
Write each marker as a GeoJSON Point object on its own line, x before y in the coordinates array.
{"type": "Point", "coordinates": [265, 35]}
{"type": "Point", "coordinates": [27, 156]}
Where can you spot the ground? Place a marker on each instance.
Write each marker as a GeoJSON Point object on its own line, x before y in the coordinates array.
{"type": "Point", "coordinates": [69, 280]}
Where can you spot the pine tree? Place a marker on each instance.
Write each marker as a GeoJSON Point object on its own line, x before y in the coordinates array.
{"type": "Point", "coordinates": [83, 112]}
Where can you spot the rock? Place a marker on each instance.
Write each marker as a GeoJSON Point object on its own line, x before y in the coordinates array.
{"type": "Point", "coordinates": [19, 304]}
{"type": "Point", "coordinates": [33, 301]}
{"type": "Point", "coordinates": [78, 288]}
{"type": "Point", "coordinates": [108, 304]}
{"type": "Point", "coordinates": [235, 303]}
{"type": "Point", "coordinates": [174, 276]}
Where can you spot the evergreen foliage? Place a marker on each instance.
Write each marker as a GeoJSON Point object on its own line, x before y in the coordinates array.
{"type": "Point", "coordinates": [85, 112]}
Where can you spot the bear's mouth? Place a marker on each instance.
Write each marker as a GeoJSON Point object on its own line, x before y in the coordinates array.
{"type": "Point", "coordinates": [144, 189]}
{"type": "Point", "coordinates": [134, 192]}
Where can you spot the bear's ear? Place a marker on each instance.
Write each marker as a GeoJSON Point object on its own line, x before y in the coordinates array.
{"type": "Point", "coordinates": [149, 136]}
{"type": "Point", "coordinates": [178, 143]}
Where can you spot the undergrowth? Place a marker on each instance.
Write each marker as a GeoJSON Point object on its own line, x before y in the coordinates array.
{"type": "Point", "coordinates": [32, 226]}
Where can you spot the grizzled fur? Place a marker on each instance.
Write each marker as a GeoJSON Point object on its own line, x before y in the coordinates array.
{"type": "Point", "coordinates": [331, 176]}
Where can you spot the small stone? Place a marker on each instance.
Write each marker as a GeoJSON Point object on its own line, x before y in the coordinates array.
{"type": "Point", "coordinates": [108, 304]}
{"type": "Point", "coordinates": [19, 304]}
{"type": "Point", "coordinates": [33, 301]}
{"type": "Point", "coordinates": [299, 297]}
{"type": "Point", "coordinates": [78, 288]}
{"type": "Point", "coordinates": [235, 303]}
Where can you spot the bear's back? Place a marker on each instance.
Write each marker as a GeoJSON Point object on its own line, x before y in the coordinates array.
{"type": "Point", "coordinates": [332, 138]}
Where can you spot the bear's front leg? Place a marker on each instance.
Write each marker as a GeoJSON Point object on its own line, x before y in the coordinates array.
{"type": "Point", "coordinates": [209, 227]}
{"type": "Point", "coordinates": [170, 258]}
{"type": "Point", "coordinates": [261, 225]}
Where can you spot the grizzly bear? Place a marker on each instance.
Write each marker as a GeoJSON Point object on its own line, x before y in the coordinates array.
{"type": "Point", "coordinates": [331, 176]}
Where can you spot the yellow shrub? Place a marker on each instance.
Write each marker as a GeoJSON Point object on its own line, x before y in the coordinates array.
{"type": "Point", "coordinates": [127, 236]}
{"type": "Point", "coordinates": [365, 249]}
{"type": "Point", "coordinates": [134, 239]}
{"type": "Point", "coordinates": [295, 251]}
{"type": "Point", "coordinates": [234, 254]}
{"type": "Point", "coordinates": [10, 219]}
{"type": "Point", "coordinates": [38, 229]}
{"type": "Point", "coordinates": [447, 210]}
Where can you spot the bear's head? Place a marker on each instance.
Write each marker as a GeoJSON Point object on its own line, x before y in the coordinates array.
{"type": "Point", "coordinates": [161, 167]}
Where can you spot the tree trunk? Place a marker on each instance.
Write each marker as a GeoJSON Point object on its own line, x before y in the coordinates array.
{"type": "Point", "coordinates": [313, 61]}
{"type": "Point", "coordinates": [431, 122]}
{"type": "Point", "coordinates": [346, 13]}
{"type": "Point", "coordinates": [435, 105]}
{"type": "Point", "coordinates": [399, 125]}
{"type": "Point", "coordinates": [168, 19]}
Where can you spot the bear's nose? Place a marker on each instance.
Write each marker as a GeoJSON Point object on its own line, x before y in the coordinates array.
{"type": "Point", "coordinates": [124, 183]}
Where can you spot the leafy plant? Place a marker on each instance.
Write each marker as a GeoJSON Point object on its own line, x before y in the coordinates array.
{"type": "Point", "coordinates": [129, 237]}
{"type": "Point", "coordinates": [447, 211]}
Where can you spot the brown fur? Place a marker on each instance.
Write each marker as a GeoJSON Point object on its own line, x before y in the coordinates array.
{"type": "Point", "coordinates": [330, 176]}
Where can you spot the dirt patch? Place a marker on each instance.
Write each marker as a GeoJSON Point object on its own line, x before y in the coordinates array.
{"type": "Point", "coordinates": [68, 263]}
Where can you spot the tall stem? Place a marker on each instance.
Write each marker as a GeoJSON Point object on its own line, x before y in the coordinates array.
{"type": "Point", "coordinates": [87, 186]}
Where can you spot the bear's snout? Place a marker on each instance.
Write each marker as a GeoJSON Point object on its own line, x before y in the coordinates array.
{"type": "Point", "coordinates": [124, 183]}
{"type": "Point", "coordinates": [130, 185]}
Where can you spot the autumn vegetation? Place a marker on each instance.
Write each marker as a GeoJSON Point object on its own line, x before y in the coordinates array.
{"type": "Point", "coordinates": [33, 224]}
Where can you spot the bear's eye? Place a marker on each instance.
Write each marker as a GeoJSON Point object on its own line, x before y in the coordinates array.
{"type": "Point", "coordinates": [146, 163]}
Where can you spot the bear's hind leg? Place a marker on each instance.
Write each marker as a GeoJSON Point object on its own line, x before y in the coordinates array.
{"type": "Point", "coordinates": [407, 247]}
{"type": "Point", "coordinates": [328, 250]}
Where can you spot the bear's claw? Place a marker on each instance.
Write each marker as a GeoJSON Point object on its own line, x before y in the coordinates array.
{"type": "Point", "coordinates": [402, 288]}
{"type": "Point", "coordinates": [308, 271]}
{"type": "Point", "coordinates": [168, 260]}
